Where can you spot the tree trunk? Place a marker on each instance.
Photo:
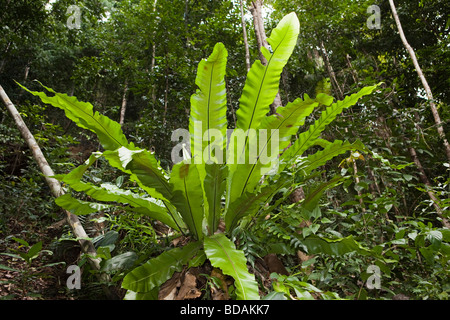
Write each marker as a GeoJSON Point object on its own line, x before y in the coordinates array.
{"type": "Point", "coordinates": [166, 97]}
{"type": "Point", "coordinates": [430, 98]}
{"type": "Point", "coordinates": [244, 31]}
{"type": "Point", "coordinates": [334, 82]}
{"type": "Point", "coordinates": [260, 33]}
{"type": "Point", "coordinates": [55, 187]}
{"type": "Point", "coordinates": [152, 67]}
{"type": "Point", "coordinates": [355, 175]}
{"type": "Point", "coordinates": [353, 71]}
{"type": "Point", "coordinates": [123, 109]}
{"type": "Point", "coordinates": [261, 39]}
{"type": "Point", "coordinates": [426, 182]}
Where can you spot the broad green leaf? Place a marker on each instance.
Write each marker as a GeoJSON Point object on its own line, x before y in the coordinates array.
{"type": "Point", "coordinates": [188, 196]}
{"type": "Point", "coordinates": [151, 295]}
{"type": "Point", "coordinates": [140, 163]}
{"type": "Point", "coordinates": [214, 186]}
{"type": "Point", "coordinates": [143, 168]}
{"type": "Point", "coordinates": [249, 204]}
{"type": "Point", "coordinates": [122, 261]}
{"type": "Point", "coordinates": [209, 106]}
{"type": "Point", "coordinates": [279, 128]}
{"type": "Point", "coordinates": [312, 198]}
{"type": "Point", "coordinates": [158, 270]}
{"type": "Point", "coordinates": [153, 208]}
{"type": "Point", "coordinates": [307, 139]}
{"type": "Point", "coordinates": [274, 295]}
{"type": "Point", "coordinates": [222, 253]}
{"type": "Point", "coordinates": [435, 237]}
{"type": "Point", "coordinates": [108, 131]}
{"type": "Point", "coordinates": [335, 247]}
{"type": "Point", "coordinates": [261, 85]}
{"type": "Point", "coordinates": [336, 148]}
{"type": "Point", "coordinates": [287, 120]}
{"type": "Point", "coordinates": [34, 251]}
{"type": "Point", "coordinates": [79, 207]}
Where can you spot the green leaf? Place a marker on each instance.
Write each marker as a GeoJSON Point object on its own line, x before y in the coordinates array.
{"type": "Point", "coordinates": [143, 168]}
{"type": "Point", "coordinates": [312, 198]}
{"type": "Point", "coordinates": [153, 208]}
{"type": "Point", "coordinates": [140, 163]}
{"type": "Point", "coordinates": [109, 238]}
{"type": "Point", "coordinates": [21, 241]}
{"type": "Point", "coordinates": [335, 247]}
{"type": "Point", "coordinates": [222, 254]}
{"type": "Point", "coordinates": [209, 106]}
{"type": "Point", "coordinates": [280, 127]}
{"type": "Point", "coordinates": [307, 138]}
{"type": "Point", "coordinates": [188, 196]}
{"type": "Point", "coordinates": [122, 261]}
{"type": "Point", "coordinates": [336, 148]}
{"type": "Point", "coordinates": [275, 296]}
{"type": "Point", "coordinates": [79, 207]}
{"type": "Point", "coordinates": [287, 120]}
{"type": "Point", "coordinates": [435, 238]}
{"type": "Point", "coordinates": [8, 268]}
{"type": "Point", "coordinates": [151, 295]}
{"type": "Point", "coordinates": [250, 204]}
{"type": "Point", "coordinates": [158, 270]}
{"type": "Point", "coordinates": [261, 85]}
{"type": "Point", "coordinates": [34, 251]}
{"type": "Point", "coordinates": [108, 131]}
{"type": "Point", "coordinates": [12, 255]}
{"type": "Point", "coordinates": [214, 186]}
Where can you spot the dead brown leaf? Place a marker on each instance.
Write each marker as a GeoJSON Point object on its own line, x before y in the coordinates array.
{"type": "Point", "coordinates": [275, 265]}
{"type": "Point", "coordinates": [188, 289]}
{"type": "Point", "coordinates": [168, 290]}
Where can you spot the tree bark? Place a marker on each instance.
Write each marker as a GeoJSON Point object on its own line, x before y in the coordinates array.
{"type": "Point", "coordinates": [355, 175]}
{"type": "Point", "coordinates": [426, 182]}
{"type": "Point", "coordinates": [123, 109]}
{"type": "Point", "coordinates": [261, 39]}
{"type": "Point", "coordinates": [244, 31]}
{"type": "Point", "coordinates": [424, 81]}
{"type": "Point", "coordinates": [166, 97]}
{"type": "Point", "coordinates": [353, 71]}
{"type": "Point", "coordinates": [258, 23]}
{"type": "Point", "coordinates": [334, 82]}
{"type": "Point", "coordinates": [152, 67]}
{"type": "Point", "coordinates": [55, 187]}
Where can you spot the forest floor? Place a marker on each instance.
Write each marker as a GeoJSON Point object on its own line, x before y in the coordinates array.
{"type": "Point", "coordinates": [24, 281]}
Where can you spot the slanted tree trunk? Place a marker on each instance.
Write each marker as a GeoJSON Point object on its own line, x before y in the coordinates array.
{"type": "Point", "coordinates": [261, 39]}
{"type": "Point", "coordinates": [427, 88]}
{"type": "Point", "coordinates": [55, 187]}
{"type": "Point", "coordinates": [428, 186]}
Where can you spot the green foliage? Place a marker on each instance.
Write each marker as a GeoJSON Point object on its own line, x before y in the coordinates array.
{"type": "Point", "coordinates": [30, 273]}
{"type": "Point", "coordinates": [182, 201]}
{"type": "Point", "coordinates": [292, 288]}
{"type": "Point", "coordinates": [156, 271]}
{"type": "Point", "coordinates": [222, 253]}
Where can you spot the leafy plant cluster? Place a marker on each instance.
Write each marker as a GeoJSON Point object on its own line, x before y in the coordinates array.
{"type": "Point", "coordinates": [188, 199]}
{"type": "Point", "coordinates": [368, 209]}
